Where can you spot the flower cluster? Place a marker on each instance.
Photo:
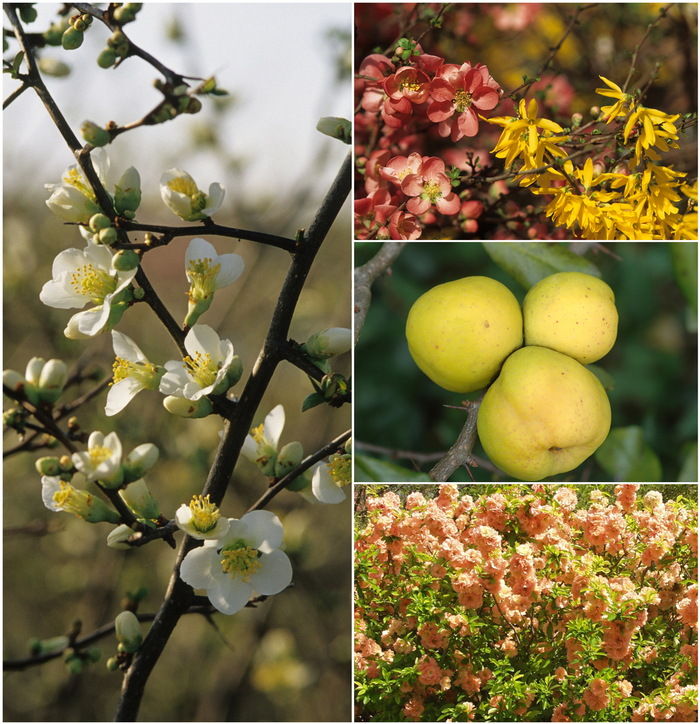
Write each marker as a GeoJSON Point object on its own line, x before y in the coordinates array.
{"type": "Point", "coordinates": [413, 93]}
{"type": "Point", "coordinates": [522, 607]}
{"type": "Point", "coordinates": [636, 198]}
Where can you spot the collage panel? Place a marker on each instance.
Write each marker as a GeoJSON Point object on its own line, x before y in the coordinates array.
{"type": "Point", "coordinates": [177, 255]}
{"type": "Point", "coordinates": [504, 121]}
{"type": "Point", "coordinates": [526, 602]}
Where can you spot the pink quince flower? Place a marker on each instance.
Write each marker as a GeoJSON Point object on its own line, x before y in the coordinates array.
{"type": "Point", "coordinates": [407, 83]}
{"type": "Point", "coordinates": [375, 66]}
{"type": "Point", "coordinates": [404, 226]}
{"type": "Point", "coordinates": [469, 212]}
{"type": "Point", "coordinates": [430, 186]}
{"type": "Point", "coordinates": [372, 212]}
{"type": "Point", "coordinates": [458, 93]}
{"type": "Point", "coordinates": [399, 167]}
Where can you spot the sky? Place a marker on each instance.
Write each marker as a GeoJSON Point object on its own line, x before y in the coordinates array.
{"type": "Point", "coordinates": [273, 57]}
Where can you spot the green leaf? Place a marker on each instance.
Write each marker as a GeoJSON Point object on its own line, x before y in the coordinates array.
{"type": "Point", "coordinates": [371, 470]}
{"type": "Point", "coordinates": [685, 269]}
{"type": "Point", "coordinates": [530, 262]}
{"type": "Point", "coordinates": [312, 400]}
{"type": "Point", "coordinates": [689, 471]}
{"type": "Point", "coordinates": [628, 458]}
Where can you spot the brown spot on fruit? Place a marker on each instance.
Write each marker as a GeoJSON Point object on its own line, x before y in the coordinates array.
{"type": "Point", "coordinates": [486, 324]}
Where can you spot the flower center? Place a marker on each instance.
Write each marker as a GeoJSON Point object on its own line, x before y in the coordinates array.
{"type": "Point", "coordinates": [339, 466]}
{"type": "Point", "coordinates": [258, 434]}
{"type": "Point", "coordinates": [431, 191]}
{"type": "Point", "coordinates": [184, 185]}
{"type": "Point", "coordinates": [99, 454]}
{"type": "Point", "coordinates": [409, 83]}
{"type": "Point", "coordinates": [240, 559]}
{"type": "Point", "coordinates": [71, 500]}
{"type": "Point", "coordinates": [143, 372]}
{"type": "Point", "coordinates": [202, 274]}
{"type": "Point", "coordinates": [73, 178]}
{"type": "Point", "coordinates": [202, 368]}
{"type": "Point", "coordinates": [204, 514]}
{"type": "Point", "coordinates": [462, 100]}
{"type": "Point", "coordinates": [93, 283]}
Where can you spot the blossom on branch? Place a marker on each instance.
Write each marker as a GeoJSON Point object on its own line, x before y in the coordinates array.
{"type": "Point", "coordinates": [61, 496]}
{"type": "Point", "coordinates": [207, 272]}
{"type": "Point", "coordinates": [260, 447]}
{"type": "Point", "coordinates": [73, 198]}
{"type": "Point", "coordinates": [83, 276]}
{"type": "Point", "coordinates": [206, 368]}
{"type": "Point", "coordinates": [132, 373]}
{"type": "Point", "coordinates": [182, 196]}
{"type": "Point", "coordinates": [102, 460]}
{"type": "Point", "coordinates": [247, 558]}
{"type": "Point", "coordinates": [201, 519]}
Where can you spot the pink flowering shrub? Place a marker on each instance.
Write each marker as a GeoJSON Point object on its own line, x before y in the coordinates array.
{"type": "Point", "coordinates": [521, 606]}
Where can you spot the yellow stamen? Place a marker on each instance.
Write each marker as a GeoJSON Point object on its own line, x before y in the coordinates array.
{"type": "Point", "coordinates": [204, 513]}
{"type": "Point", "coordinates": [240, 559]}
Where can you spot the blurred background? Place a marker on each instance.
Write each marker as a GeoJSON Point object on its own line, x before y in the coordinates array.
{"type": "Point", "coordinates": [285, 66]}
{"type": "Point", "coordinates": [401, 416]}
{"type": "Point", "coordinates": [514, 40]}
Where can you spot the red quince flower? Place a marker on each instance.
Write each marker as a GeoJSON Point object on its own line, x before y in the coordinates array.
{"type": "Point", "coordinates": [458, 93]}
{"type": "Point", "coordinates": [429, 186]}
{"type": "Point", "coordinates": [376, 66]}
{"type": "Point", "coordinates": [409, 83]}
{"type": "Point", "coordinates": [404, 226]}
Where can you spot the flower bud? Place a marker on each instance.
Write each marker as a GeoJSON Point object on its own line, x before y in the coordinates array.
{"type": "Point", "coordinates": [46, 646]}
{"type": "Point", "coordinates": [125, 260]}
{"type": "Point", "coordinates": [80, 25]}
{"type": "Point", "coordinates": [329, 343]}
{"type": "Point", "coordinates": [66, 463]}
{"type": "Point", "coordinates": [117, 38]}
{"type": "Point", "coordinates": [138, 497]}
{"type": "Point", "coordinates": [112, 664]}
{"type": "Point", "coordinates": [339, 128]}
{"type": "Point", "coordinates": [48, 466]}
{"type": "Point", "coordinates": [71, 39]}
{"type": "Point", "coordinates": [188, 408]}
{"type": "Point", "coordinates": [595, 111]}
{"type": "Point", "coordinates": [117, 538]}
{"type": "Point", "coordinates": [33, 372]}
{"type": "Point", "coordinates": [128, 631]}
{"type": "Point", "coordinates": [14, 380]}
{"type": "Point", "coordinates": [107, 236]}
{"type": "Point", "coordinates": [193, 105]}
{"type": "Point", "coordinates": [127, 194]}
{"type": "Point", "coordinates": [289, 457]}
{"type": "Point", "coordinates": [107, 58]}
{"type": "Point", "coordinates": [139, 461]}
{"type": "Point", "coordinates": [99, 222]}
{"type": "Point", "coordinates": [73, 662]}
{"type": "Point", "coordinates": [52, 379]}
{"type": "Point", "coordinates": [94, 654]}
{"type": "Point", "coordinates": [576, 120]}
{"type": "Point", "coordinates": [53, 67]}
{"type": "Point", "coordinates": [94, 135]}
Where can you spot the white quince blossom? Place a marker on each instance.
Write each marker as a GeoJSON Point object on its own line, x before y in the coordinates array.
{"type": "Point", "coordinates": [204, 370]}
{"type": "Point", "coordinates": [73, 198]}
{"type": "Point", "coordinates": [86, 276]}
{"type": "Point", "coordinates": [247, 558]}
{"type": "Point", "coordinates": [132, 373]}
{"type": "Point", "coordinates": [60, 496]}
{"type": "Point", "coordinates": [102, 460]}
{"type": "Point", "coordinates": [182, 195]}
{"type": "Point", "coordinates": [260, 446]}
{"type": "Point", "coordinates": [201, 519]}
{"type": "Point", "coordinates": [329, 479]}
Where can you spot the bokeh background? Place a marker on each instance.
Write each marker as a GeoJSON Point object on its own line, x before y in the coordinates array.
{"type": "Point", "coordinates": [285, 66]}
{"type": "Point", "coordinates": [400, 414]}
{"type": "Point", "coordinates": [514, 40]}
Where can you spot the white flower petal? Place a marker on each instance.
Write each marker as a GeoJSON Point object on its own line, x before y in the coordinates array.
{"type": "Point", "coordinates": [125, 348]}
{"type": "Point", "coordinates": [201, 568]}
{"type": "Point", "coordinates": [274, 424]}
{"type": "Point", "coordinates": [231, 595]}
{"type": "Point", "coordinates": [49, 486]}
{"type": "Point", "coordinates": [120, 395]}
{"type": "Point", "coordinates": [265, 530]}
{"type": "Point", "coordinates": [274, 575]}
{"type": "Point", "coordinates": [232, 266]}
{"type": "Point", "coordinates": [214, 199]}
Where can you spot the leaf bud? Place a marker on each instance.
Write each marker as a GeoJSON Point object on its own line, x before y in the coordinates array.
{"type": "Point", "coordinates": [107, 58]}
{"type": "Point", "coordinates": [27, 12]}
{"type": "Point", "coordinates": [94, 654]}
{"type": "Point", "coordinates": [94, 135]}
{"type": "Point", "coordinates": [80, 25]}
{"type": "Point", "coordinates": [125, 260]}
{"type": "Point", "coordinates": [188, 408]}
{"type": "Point", "coordinates": [48, 466]}
{"type": "Point", "coordinates": [194, 105]}
{"type": "Point", "coordinates": [289, 457]}
{"type": "Point", "coordinates": [71, 39]}
{"type": "Point", "coordinates": [328, 343]}
{"type": "Point", "coordinates": [128, 631]}
{"type": "Point", "coordinates": [117, 38]}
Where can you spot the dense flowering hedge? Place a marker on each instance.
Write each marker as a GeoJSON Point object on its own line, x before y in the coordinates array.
{"type": "Point", "coordinates": [521, 607]}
